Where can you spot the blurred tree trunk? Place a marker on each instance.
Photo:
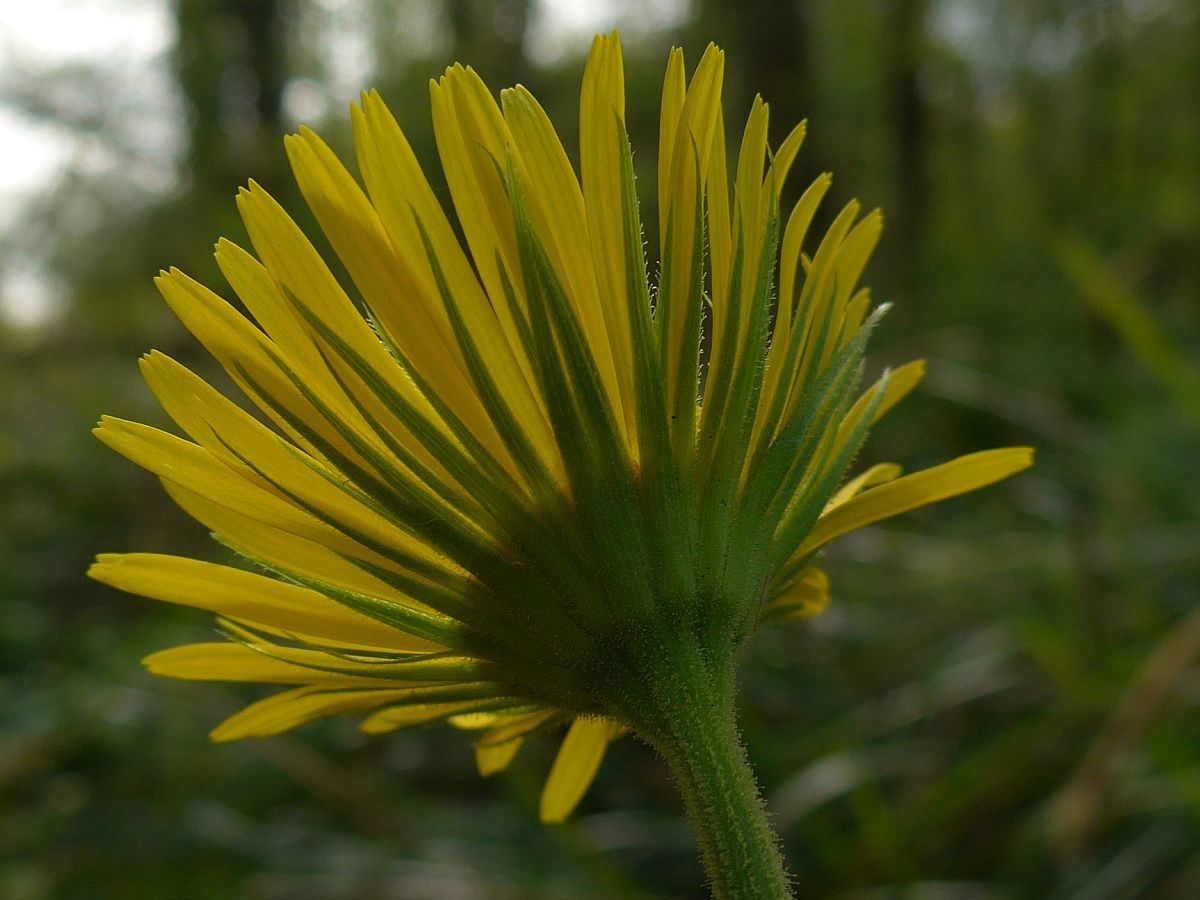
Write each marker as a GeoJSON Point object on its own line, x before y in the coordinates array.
{"type": "Point", "coordinates": [231, 64]}
{"type": "Point", "coordinates": [906, 41]}
{"type": "Point", "coordinates": [490, 36]}
{"type": "Point", "coordinates": [771, 43]}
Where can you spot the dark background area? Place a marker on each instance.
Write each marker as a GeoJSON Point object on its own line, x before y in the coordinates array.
{"type": "Point", "coordinates": [1003, 700]}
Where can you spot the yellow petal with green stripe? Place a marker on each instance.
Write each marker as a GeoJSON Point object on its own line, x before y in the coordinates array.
{"type": "Point", "coordinates": [234, 662]}
{"type": "Point", "coordinates": [601, 111]}
{"type": "Point", "coordinates": [246, 596]}
{"type": "Point", "coordinates": [286, 551]}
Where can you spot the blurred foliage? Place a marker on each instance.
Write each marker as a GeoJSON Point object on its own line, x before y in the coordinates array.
{"type": "Point", "coordinates": [1002, 701]}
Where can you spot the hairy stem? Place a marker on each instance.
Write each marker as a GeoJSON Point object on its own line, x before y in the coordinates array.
{"type": "Point", "coordinates": [690, 721]}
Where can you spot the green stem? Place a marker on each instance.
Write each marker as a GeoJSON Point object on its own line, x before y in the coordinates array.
{"type": "Point", "coordinates": [691, 723]}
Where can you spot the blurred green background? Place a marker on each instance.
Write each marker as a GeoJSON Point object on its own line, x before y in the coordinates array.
{"type": "Point", "coordinates": [1004, 699]}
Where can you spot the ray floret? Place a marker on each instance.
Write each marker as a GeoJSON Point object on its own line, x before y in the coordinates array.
{"type": "Point", "coordinates": [509, 482]}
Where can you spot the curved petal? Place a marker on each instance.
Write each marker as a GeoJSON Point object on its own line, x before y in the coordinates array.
{"type": "Point", "coordinates": [291, 709]}
{"type": "Point", "coordinates": [967, 473]}
{"type": "Point", "coordinates": [805, 595]}
{"type": "Point", "coordinates": [575, 767]}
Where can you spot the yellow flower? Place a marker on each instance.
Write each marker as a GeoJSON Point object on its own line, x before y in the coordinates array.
{"type": "Point", "coordinates": [492, 478]}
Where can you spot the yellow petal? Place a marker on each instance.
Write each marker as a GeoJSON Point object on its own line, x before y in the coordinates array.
{"type": "Point", "coordinates": [406, 205]}
{"type": "Point", "coordinates": [967, 473]}
{"type": "Point", "coordinates": [777, 378]}
{"type": "Point", "coordinates": [748, 188]}
{"type": "Point", "coordinates": [575, 767]}
{"type": "Point", "coordinates": [291, 709]}
{"type": "Point", "coordinates": [497, 747]}
{"type": "Point", "coordinates": [510, 726]}
{"type": "Point", "coordinates": [674, 91]}
{"type": "Point", "coordinates": [288, 552]}
{"type": "Point", "coordinates": [720, 233]}
{"type": "Point", "coordinates": [877, 474]}
{"type": "Point", "coordinates": [240, 441]}
{"type": "Point", "coordinates": [293, 273]}
{"type": "Point", "coordinates": [474, 144]}
{"type": "Point", "coordinates": [601, 113]}
{"type": "Point", "coordinates": [682, 193]}
{"type": "Point", "coordinates": [493, 758]}
{"type": "Point", "coordinates": [473, 141]}
{"type": "Point", "coordinates": [418, 323]}
{"type": "Point", "coordinates": [789, 256]}
{"type": "Point", "coordinates": [807, 595]}
{"type": "Point", "coordinates": [227, 661]}
{"type": "Point", "coordinates": [197, 470]}
{"type": "Point", "coordinates": [748, 236]}
{"type": "Point", "coordinates": [294, 264]}
{"type": "Point", "coordinates": [263, 299]}
{"type": "Point", "coordinates": [782, 159]}
{"type": "Point", "coordinates": [194, 404]}
{"type": "Point", "coordinates": [247, 597]}
{"type": "Point", "coordinates": [899, 384]}
{"type": "Point", "coordinates": [474, 721]}
{"type": "Point", "coordinates": [851, 258]}
{"type": "Point", "coordinates": [399, 288]}
{"type": "Point", "coordinates": [396, 717]}
{"type": "Point", "coordinates": [411, 213]}
{"type": "Point", "coordinates": [820, 292]}
{"type": "Point", "coordinates": [194, 468]}
{"type": "Point", "coordinates": [246, 355]}
{"type": "Point", "coordinates": [557, 210]}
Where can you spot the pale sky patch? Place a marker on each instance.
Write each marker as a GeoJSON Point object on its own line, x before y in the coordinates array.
{"type": "Point", "coordinates": [132, 39]}
{"type": "Point", "coordinates": [129, 38]}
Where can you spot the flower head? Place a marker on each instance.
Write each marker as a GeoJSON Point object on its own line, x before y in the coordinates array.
{"type": "Point", "coordinates": [497, 476]}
